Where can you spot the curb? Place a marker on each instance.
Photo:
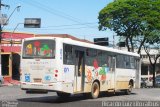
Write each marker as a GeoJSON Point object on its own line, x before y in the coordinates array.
{"type": "Point", "coordinates": [10, 85]}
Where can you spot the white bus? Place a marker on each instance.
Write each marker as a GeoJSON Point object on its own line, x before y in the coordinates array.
{"type": "Point", "coordinates": [68, 66]}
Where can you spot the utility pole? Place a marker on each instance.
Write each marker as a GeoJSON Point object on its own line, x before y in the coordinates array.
{"type": "Point", "coordinates": [114, 41]}
{"type": "Point", "coordinates": [2, 22]}
{"type": "Point", "coordinates": [0, 40]}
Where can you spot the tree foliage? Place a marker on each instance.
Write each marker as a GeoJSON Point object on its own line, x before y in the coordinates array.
{"type": "Point", "coordinates": [132, 18]}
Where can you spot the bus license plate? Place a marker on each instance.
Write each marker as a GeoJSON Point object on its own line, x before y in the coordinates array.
{"type": "Point", "coordinates": [37, 80]}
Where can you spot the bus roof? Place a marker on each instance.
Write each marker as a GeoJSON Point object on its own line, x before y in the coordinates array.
{"type": "Point", "coordinates": [88, 45]}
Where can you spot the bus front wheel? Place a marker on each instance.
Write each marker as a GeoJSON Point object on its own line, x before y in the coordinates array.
{"type": "Point", "coordinates": [62, 94]}
{"type": "Point", "coordinates": [95, 90]}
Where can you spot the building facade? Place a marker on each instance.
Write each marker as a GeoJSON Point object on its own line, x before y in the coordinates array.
{"type": "Point", "coordinates": [10, 54]}
{"type": "Point", "coordinates": [146, 68]}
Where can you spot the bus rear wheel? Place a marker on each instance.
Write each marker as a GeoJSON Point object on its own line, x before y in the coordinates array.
{"type": "Point", "coordinates": [62, 94]}
{"type": "Point", "coordinates": [95, 90]}
{"type": "Point", "coordinates": [129, 90]}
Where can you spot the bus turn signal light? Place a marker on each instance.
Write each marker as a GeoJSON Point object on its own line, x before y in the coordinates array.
{"type": "Point", "coordinates": [56, 71]}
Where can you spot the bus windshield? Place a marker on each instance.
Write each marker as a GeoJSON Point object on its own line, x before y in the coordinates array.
{"type": "Point", "coordinates": [39, 49]}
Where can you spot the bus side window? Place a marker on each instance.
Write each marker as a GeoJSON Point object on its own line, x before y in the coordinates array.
{"type": "Point", "coordinates": [68, 55]}
{"type": "Point", "coordinates": [120, 62]}
{"type": "Point", "coordinates": [91, 54]}
{"type": "Point", "coordinates": [132, 62]}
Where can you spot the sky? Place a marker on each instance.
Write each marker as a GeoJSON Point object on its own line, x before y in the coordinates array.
{"type": "Point", "coordinates": [78, 18]}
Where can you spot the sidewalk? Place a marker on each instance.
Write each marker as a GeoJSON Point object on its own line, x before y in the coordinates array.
{"type": "Point", "coordinates": [10, 82]}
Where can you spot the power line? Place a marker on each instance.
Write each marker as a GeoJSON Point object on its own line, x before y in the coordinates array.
{"type": "Point", "coordinates": [48, 9]}
{"type": "Point", "coordinates": [55, 10]}
{"type": "Point", "coordinates": [67, 28]}
{"type": "Point", "coordinates": [67, 25]}
{"type": "Point", "coordinates": [60, 28]}
{"type": "Point", "coordinates": [71, 25]}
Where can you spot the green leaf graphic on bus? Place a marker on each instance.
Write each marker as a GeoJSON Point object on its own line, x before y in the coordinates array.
{"type": "Point", "coordinates": [46, 50]}
{"type": "Point", "coordinates": [102, 72]}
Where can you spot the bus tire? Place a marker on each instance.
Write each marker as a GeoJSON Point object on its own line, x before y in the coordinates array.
{"type": "Point", "coordinates": [129, 90]}
{"type": "Point", "coordinates": [62, 94]}
{"type": "Point", "coordinates": [95, 90]}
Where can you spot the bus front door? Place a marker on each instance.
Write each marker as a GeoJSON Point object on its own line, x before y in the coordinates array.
{"type": "Point", "coordinates": [79, 70]}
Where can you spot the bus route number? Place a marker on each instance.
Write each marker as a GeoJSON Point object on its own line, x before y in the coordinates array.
{"type": "Point", "coordinates": [66, 69]}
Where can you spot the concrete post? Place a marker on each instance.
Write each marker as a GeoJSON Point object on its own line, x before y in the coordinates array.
{"type": "Point", "coordinates": [138, 74]}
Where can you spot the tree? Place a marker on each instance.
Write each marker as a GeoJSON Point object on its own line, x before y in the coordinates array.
{"type": "Point", "coordinates": [131, 19]}
{"type": "Point", "coordinates": [153, 59]}
{"type": "Point", "coordinates": [153, 42]}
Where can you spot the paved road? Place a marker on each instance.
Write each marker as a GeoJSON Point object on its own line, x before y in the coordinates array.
{"type": "Point", "coordinates": [14, 95]}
